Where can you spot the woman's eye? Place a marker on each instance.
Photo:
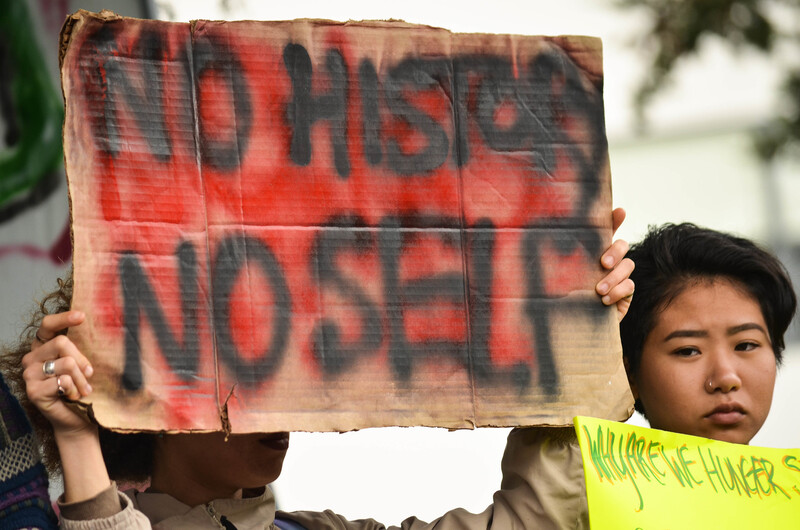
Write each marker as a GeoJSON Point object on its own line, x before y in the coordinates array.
{"type": "Point", "coordinates": [746, 346]}
{"type": "Point", "coordinates": [687, 352]}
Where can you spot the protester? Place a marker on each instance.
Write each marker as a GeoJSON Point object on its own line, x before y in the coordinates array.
{"type": "Point", "coordinates": [704, 335]}
{"type": "Point", "coordinates": [204, 480]}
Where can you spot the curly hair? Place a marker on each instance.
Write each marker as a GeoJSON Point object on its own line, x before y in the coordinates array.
{"type": "Point", "coordinates": [128, 457]}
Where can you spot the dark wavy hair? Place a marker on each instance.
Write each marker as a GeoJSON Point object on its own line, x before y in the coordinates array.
{"type": "Point", "coordinates": [672, 257]}
{"type": "Point", "coordinates": [128, 457]}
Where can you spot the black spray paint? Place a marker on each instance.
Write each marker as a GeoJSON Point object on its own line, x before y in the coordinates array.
{"type": "Point", "coordinates": [475, 87]}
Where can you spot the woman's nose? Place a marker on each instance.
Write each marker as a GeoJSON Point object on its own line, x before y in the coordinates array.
{"type": "Point", "coordinates": [723, 375]}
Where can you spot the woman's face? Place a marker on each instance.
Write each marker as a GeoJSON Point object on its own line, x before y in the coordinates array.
{"type": "Point", "coordinates": [708, 368]}
{"type": "Point", "coordinates": [199, 467]}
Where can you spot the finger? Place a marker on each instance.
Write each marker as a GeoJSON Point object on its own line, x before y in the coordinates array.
{"type": "Point", "coordinates": [54, 324]}
{"type": "Point", "coordinates": [60, 347]}
{"type": "Point", "coordinates": [67, 368]}
{"type": "Point", "coordinates": [617, 216]}
{"type": "Point", "coordinates": [617, 276]}
{"type": "Point", "coordinates": [622, 291]}
{"type": "Point", "coordinates": [614, 254]}
{"type": "Point", "coordinates": [623, 306]}
{"type": "Point", "coordinates": [66, 388]}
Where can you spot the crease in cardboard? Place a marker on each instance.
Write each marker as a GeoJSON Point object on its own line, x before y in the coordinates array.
{"type": "Point", "coordinates": [455, 90]}
{"type": "Point", "coordinates": [223, 407]}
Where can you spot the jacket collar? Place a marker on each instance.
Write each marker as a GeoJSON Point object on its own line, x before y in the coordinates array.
{"type": "Point", "coordinates": [164, 510]}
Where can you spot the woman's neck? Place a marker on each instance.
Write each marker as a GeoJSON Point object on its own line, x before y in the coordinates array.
{"type": "Point", "coordinates": [187, 490]}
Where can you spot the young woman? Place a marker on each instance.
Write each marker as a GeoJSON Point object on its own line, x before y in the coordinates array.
{"type": "Point", "coordinates": [206, 481]}
{"type": "Point", "coordinates": [704, 335]}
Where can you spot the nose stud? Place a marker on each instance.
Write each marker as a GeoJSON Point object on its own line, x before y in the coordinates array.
{"type": "Point", "coordinates": [709, 385]}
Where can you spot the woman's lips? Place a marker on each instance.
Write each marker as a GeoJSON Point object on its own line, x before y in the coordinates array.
{"type": "Point", "coordinates": [728, 414]}
{"type": "Point", "coordinates": [278, 441]}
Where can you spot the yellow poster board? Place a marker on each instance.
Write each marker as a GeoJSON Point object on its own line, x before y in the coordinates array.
{"type": "Point", "coordinates": [646, 479]}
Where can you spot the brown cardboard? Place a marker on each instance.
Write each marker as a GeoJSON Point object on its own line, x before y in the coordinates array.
{"type": "Point", "coordinates": [310, 225]}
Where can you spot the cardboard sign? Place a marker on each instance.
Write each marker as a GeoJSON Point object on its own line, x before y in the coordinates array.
{"type": "Point", "coordinates": [650, 479]}
{"type": "Point", "coordinates": [311, 225]}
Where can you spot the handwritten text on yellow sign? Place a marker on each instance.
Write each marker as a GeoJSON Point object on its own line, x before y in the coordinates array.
{"type": "Point", "coordinates": [641, 475]}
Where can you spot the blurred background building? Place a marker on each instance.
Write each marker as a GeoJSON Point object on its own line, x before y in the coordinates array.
{"type": "Point", "coordinates": [691, 159]}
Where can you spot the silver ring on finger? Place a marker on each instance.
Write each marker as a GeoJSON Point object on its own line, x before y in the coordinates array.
{"type": "Point", "coordinates": [60, 391]}
{"type": "Point", "coordinates": [49, 368]}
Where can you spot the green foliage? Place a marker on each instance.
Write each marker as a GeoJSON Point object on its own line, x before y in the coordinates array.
{"type": "Point", "coordinates": [677, 27]}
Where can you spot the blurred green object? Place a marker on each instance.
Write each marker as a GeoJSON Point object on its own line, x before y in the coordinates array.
{"type": "Point", "coordinates": [31, 109]}
{"type": "Point", "coordinates": [677, 28]}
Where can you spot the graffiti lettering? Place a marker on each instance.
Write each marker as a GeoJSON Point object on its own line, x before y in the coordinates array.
{"type": "Point", "coordinates": [474, 88]}
{"type": "Point", "coordinates": [138, 296]}
{"type": "Point", "coordinates": [564, 242]}
{"type": "Point", "coordinates": [333, 354]}
{"type": "Point", "coordinates": [399, 298]}
{"type": "Point", "coordinates": [232, 256]}
{"type": "Point", "coordinates": [306, 109]}
{"type": "Point", "coordinates": [214, 60]}
{"type": "Point", "coordinates": [144, 96]}
{"type": "Point", "coordinates": [419, 75]}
